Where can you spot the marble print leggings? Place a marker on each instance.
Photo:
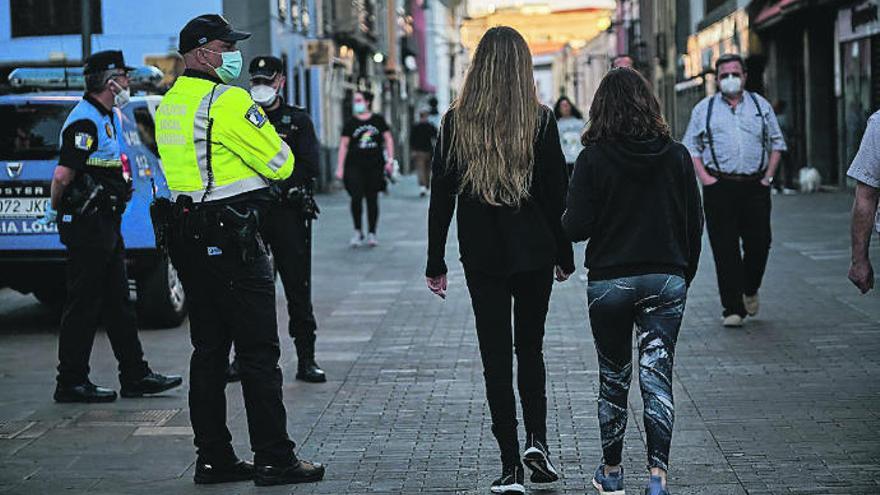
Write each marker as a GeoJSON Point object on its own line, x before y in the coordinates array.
{"type": "Point", "coordinates": [654, 303]}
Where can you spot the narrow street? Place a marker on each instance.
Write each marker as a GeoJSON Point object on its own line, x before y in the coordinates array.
{"type": "Point", "coordinates": [788, 404]}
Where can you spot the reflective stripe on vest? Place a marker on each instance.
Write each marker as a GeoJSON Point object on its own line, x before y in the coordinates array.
{"type": "Point", "coordinates": [279, 159]}
{"type": "Point", "coordinates": [227, 191]}
{"type": "Point", "coordinates": [201, 134]}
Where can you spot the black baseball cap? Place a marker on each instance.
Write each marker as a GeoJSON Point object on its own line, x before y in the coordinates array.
{"type": "Point", "coordinates": [206, 28]}
{"type": "Point", "coordinates": [105, 60]}
{"type": "Point", "coordinates": [265, 66]}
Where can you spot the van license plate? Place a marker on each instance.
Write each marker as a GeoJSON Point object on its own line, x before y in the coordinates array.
{"type": "Point", "coordinates": [23, 207]}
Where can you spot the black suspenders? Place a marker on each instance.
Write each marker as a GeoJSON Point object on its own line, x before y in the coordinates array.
{"type": "Point", "coordinates": [712, 141]}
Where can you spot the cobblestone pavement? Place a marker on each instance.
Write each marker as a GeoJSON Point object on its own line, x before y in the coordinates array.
{"type": "Point", "coordinates": [789, 404]}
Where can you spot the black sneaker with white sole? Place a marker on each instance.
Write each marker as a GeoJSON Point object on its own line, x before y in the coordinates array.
{"type": "Point", "coordinates": [537, 458]}
{"type": "Point", "coordinates": [510, 482]}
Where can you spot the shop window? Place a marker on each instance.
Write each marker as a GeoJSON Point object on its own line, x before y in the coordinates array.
{"type": "Point", "coordinates": [51, 17]}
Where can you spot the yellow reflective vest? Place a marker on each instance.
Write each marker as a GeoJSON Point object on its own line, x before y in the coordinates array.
{"type": "Point", "coordinates": [215, 142]}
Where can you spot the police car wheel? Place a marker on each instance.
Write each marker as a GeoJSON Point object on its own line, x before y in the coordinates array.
{"type": "Point", "coordinates": [161, 300]}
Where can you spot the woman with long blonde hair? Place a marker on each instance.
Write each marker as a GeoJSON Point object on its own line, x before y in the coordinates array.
{"type": "Point", "coordinates": [499, 159]}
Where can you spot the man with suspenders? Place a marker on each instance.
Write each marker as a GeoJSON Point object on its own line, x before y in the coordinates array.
{"type": "Point", "coordinates": [736, 143]}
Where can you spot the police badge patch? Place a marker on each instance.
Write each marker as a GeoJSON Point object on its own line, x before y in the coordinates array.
{"type": "Point", "coordinates": [256, 116]}
{"type": "Point", "coordinates": [82, 141]}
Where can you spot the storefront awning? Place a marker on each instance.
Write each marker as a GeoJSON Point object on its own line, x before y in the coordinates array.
{"type": "Point", "coordinates": [773, 12]}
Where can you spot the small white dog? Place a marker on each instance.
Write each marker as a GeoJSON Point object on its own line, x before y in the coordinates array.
{"type": "Point", "coordinates": [810, 179]}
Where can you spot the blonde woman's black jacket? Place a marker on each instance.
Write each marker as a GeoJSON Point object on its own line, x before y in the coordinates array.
{"type": "Point", "coordinates": [501, 240]}
{"type": "Point", "coordinates": [638, 205]}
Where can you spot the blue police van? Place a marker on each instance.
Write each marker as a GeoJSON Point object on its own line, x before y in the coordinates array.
{"type": "Point", "coordinates": [32, 258]}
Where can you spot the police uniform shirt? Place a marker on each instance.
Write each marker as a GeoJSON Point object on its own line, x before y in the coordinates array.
{"type": "Point", "coordinates": [89, 145]}
{"type": "Point", "coordinates": [295, 127]}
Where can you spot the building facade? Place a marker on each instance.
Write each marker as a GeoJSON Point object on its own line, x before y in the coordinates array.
{"type": "Point", "coordinates": [48, 32]}
{"type": "Point", "coordinates": [330, 49]}
{"type": "Point", "coordinates": [815, 61]}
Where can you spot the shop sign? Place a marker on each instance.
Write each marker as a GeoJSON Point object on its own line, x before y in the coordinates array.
{"type": "Point", "coordinates": [858, 21]}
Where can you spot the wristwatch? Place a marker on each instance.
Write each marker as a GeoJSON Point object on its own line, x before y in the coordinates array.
{"type": "Point", "coordinates": [769, 180]}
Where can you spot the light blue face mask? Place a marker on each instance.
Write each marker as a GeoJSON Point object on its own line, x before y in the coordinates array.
{"type": "Point", "coordinates": [230, 69]}
{"type": "Point", "coordinates": [359, 108]}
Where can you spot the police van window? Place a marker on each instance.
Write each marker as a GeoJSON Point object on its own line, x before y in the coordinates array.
{"type": "Point", "coordinates": [146, 129]}
{"type": "Point", "coordinates": [31, 132]}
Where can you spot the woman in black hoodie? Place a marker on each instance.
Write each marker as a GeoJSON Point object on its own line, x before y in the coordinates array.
{"type": "Point", "coordinates": [500, 162]}
{"type": "Point", "coordinates": [634, 197]}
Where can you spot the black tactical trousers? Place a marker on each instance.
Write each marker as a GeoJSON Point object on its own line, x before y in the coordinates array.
{"type": "Point", "coordinates": [232, 301]}
{"type": "Point", "coordinates": [97, 290]}
{"type": "Point", "coordinates": [288, 234]}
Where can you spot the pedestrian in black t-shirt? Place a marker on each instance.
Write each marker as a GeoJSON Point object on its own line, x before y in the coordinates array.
{"type": "Point", "coordinates": [634, 197]}
{"type": "Point", "coordinates": [421, 144]}
{"type": "Point", "coordinates": [509, 186]}
{"type": "Point", "coordinates": [366, 153]}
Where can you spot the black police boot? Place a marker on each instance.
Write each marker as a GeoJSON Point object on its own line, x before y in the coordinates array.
{"type": "Point", "coordinates": [153, 383]}
{"type": "Point", "coordinates": [232, 373]}
{"type": "Point", "coordinates": [83, 392]}
{"type": "Point", "coordinates": [308, 370]}
{"type": "Point", "coordinates": [209, 474]}
{"type": "Point", "coordinates": [298, 472]}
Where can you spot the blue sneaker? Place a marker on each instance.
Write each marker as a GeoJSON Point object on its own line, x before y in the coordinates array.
{"type": "Point", "coordinates": [655, 486]}
{"type": "Point", "coordinates": [608, 485]}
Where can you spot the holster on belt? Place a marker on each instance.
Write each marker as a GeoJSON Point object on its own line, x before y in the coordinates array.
{"type": "Point", "coordinates": [86, 197]}
{"type": "Point", "coordinates": [239, 227]}
{"type": "Point", "coordinates": [161, 213]}
{"type": "Point", "coordinates": [224, 229]}
{"type": "Point", "coordinates": [83, 197]}
{"type": "Point", "coordinates": [300, 196]}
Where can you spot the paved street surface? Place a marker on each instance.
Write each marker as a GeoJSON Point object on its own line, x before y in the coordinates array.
{"type": "Point", "coordinates": [790, 404]}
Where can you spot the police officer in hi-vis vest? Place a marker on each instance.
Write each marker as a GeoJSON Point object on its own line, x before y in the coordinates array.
{"type": "Point", "coordinates": [89, 194]}
{"type": "Point", "coordinates": [288, 228]}
{"type": "Point", "coordinates": [219, 153]}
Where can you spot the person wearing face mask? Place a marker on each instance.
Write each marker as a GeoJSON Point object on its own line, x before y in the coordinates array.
{"type": "Point", "coordinates": [88, 197]}
{"type": "Point", "coordinates": [365, 146]}
{"type": "Point", "coordinates": [736, 144]}
{"type": "Point", "coordinates": [288, 227]}
{"type": "Point", "coordinates": [220, 154]}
